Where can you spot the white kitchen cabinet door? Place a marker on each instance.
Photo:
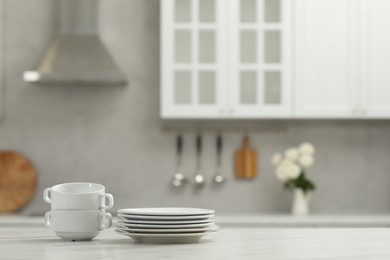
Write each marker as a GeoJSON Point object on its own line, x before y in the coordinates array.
{"type": "Point", "coordinates": [193, 59]}
{"type": "Point", "coordinates": [325, 59]}
{"type": "Point", "coordinates": [260, 64]}
{"type": "Point", "coordinates": [375, 65]}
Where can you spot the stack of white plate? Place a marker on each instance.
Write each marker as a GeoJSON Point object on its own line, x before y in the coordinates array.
{"type": "Point", "coordinates": [166, 225]}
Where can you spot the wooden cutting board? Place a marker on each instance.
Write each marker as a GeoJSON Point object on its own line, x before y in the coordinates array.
{"type": "Point", "coordinates": [246, 161]}
{"type": "Point", "coordinates": [18, 181]}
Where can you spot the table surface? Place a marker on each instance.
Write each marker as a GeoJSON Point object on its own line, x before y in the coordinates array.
{"type": "Point", "coordinates": [24, 240]}
{"type": "Point", "coordinates": [259, 220]}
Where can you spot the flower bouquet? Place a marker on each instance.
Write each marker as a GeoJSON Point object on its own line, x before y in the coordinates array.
{"type": "Point", "coordinates": [291, 168]}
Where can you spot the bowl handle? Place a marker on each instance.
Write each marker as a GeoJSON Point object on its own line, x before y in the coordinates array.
{"type": "Point", "coordinates": [47, 220]}
{"type": "Point", "coordinates": [106, 197]}
{"type": "Point", "coordinates": [46, 194]}
{"type": "Point", "coordinates": [105, 220]}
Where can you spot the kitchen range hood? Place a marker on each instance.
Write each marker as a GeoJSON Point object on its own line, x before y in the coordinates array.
{"type": "Point", "coordinates": [77, 55]}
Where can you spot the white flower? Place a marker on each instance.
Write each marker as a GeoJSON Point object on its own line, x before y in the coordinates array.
{"type": "Point", "coordinates": [276, 159]}
{"type": "Point", "coordinates": [281, 173]}
{"type": "Point", "coordinates": [292, 154]}
{"type": "Point", "coordinates": [288, 170]}
{"type": "Point", "coordinates": [306, 148]}
{"type": "Point", "coordinates": [306, 160]}
{"type": "Point", "coordinates": [293, 171]}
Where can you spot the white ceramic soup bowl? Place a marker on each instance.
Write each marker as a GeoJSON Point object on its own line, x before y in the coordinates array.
{"type": "Point", "coordinates": [77, 225]}
{"type": "Point", "coordinates": [78, 196]}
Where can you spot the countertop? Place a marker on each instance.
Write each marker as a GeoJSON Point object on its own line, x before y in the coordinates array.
{"type": "Point", "coordinates": [311, 221]}
{"type": "Point", "coordinates": [258, 220]}
{"type": "Point", "coordinates": [25, 238]}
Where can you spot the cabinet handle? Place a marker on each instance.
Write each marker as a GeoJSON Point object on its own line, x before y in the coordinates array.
{"type": "Point", "coordinates": [222, 111]}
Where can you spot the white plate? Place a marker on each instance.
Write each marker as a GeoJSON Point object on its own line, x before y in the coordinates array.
{"type": "Point", "coordinates": [131, 225]}
{"type": "Point", "coordinates": [169, 222]}
{"type": "Point", "coordinates": [167, 211]}
{"type": "Point", "coordinates": [166, 238]}
{"type": "Point", "coordinates": [169, 231]}
{"type": "Point", "coordinates": [164, 218]}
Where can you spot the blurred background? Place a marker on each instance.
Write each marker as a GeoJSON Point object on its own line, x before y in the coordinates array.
{"type": "Point", "coordinates": [118, 136]}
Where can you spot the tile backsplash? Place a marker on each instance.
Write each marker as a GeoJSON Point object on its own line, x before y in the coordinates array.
{"type": "Point", "coordinates": [114, 136]}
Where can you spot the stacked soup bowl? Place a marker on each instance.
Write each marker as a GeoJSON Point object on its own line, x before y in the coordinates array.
{"type": "Point", "coordinates": [78, 210]}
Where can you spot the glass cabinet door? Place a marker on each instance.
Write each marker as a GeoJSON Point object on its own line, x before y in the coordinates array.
{"type": "Point", "coordinates": [259, 70]}
{"type": "Point", "coordinates": [192, 63]}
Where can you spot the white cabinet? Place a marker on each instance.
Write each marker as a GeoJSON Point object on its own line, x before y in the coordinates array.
{"type": "Point", "coordinates": [325, 58]}
{"type": "Point", "coordinates": [375, 60]}
{"type": "Point", "coordinates": [192, 58]}
{"type": "Point", "coordinates": [342, 58]}
{"type": "Point", "coordinates": [257, 59]}
{"type": "Point", "coordinates": [225, 59]}
{"type": "Point", "coordinates": [260, 64]}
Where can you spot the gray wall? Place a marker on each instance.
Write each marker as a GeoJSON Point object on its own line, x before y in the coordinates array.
{"type": "Point", "coordinates": [113, 135]}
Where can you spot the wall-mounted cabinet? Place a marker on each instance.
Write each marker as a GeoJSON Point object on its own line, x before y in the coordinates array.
{"type": "Point", "coordinates": [325, 63]}
{"type": "Point", "coordinates": [259, 58]}
{"type": "Point", "coordinates": [375, 59]}
{"type": "Point", "coordinates": [194, 82]}
{"type": "Point", "coordinates": [342, 58]}
{"type": "Point", "coordinates": [225, 59]}
{"type": "Point", "coordinates": [275, 59]}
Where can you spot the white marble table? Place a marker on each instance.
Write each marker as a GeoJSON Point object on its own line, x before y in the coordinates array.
{"type": "Point", "coordinates": [260, 220]}
{"type": "Point", "coordinates": [22, 239]}
{"type": "Point", "coordinates": [312, 221]}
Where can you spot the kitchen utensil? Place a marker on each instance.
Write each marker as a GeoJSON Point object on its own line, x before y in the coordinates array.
{"type": "Point", "coordinates": [178, 238]}
{"type": "Point", "coordinates": [168, 231]}
{"type": "Point", "coordinates": [178, 178]}
{"type": "Point", "coordinates": [218, 177]}
{"type": "Point", "coordinates": [246, 161]}
{"type": "Point", "coordinates": [77, 224]}
{"type": "Point", "coordinates": [167, 211]}
{"type": "Point", "coordinates": [165, 218]}
{"type": "Point", "coordinates": [172, 226]}
{"type": "Point", "coordinates": [18, 181]}
{"type": "Point", "coordinates": [78, 196]}
{"type": "Point", "coordinates": [199, 179]}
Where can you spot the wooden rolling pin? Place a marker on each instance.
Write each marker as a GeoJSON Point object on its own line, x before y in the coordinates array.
{"type": "Point", "coordinates": [246, 161]}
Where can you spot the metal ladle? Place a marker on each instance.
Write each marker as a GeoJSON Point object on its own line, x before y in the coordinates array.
{"type": "Point", "coordinates": [218, 177]}
{"type": "Point", "coordinates": [178, 178]}
{"type": "Point", "coordinates": [199, 179]}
